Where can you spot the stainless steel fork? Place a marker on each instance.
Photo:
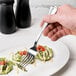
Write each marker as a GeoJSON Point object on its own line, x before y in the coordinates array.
{"type": "Point", "coordinates": [32, 51]}
{"type": "Point", "coordinates": [26, 59]}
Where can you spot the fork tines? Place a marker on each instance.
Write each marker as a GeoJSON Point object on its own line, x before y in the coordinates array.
{"type": "Point", "coordinates": [26, 59]}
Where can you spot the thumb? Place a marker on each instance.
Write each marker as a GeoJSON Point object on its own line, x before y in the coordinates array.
{"type": "Point", "coordinates": [49, 19]}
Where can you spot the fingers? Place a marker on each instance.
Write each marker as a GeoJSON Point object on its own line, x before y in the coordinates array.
{"type": "Point", "coordinates": [49, 19]}
{"type": "Point", "coordinates": [58, 35]}
{"type": "Point", "coordinates": [48, 29]}
{"type": "Point", "coordinates": [54, 32]}
{"type": "Point", "coordinates": [51, 33]}
{"type": "Point", "coordinates": [58, 32]}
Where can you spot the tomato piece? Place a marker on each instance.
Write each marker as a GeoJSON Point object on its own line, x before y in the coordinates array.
{"type": "Point", "coordinates": [40, 48]}
{"type": "Point", "coordinates": [2, 62]}
{"type": "Point", "coordinates": [22, 53]}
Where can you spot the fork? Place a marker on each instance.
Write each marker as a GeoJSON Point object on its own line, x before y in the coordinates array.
{"type": "Point", "coordinates": [32, 51]}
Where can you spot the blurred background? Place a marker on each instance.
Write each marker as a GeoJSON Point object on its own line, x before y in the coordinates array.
{"type": "Point", "coordinates": [38, 5]}
{"type": "Point", "coordinates": [52, 2]}
{"type": "Point", "coordinates": [46, 3]}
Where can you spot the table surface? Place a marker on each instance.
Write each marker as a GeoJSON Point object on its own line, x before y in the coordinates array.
{"type": "Point", "coordinates": [23, 36]}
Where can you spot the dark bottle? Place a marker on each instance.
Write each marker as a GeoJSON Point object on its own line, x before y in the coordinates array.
{"type": "Point", "coordinates": [7, 18]}
{"type": "Point", "coordinates": [23, 14]}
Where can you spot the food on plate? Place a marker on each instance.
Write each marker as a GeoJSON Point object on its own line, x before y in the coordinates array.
{"type": "Point", "coordinates": [45, 53]}
{"type": "Point", "coordinates": [18, 55]}
{"type": "Point", "coordinates": [6, 66]}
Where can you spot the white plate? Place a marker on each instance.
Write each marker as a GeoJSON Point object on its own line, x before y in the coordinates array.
{"type": "Point", "coordinates": [61, 57]}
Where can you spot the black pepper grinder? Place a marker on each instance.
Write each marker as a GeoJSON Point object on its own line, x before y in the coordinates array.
{"type": "Point", "coordinates": [7, 18]}
{"type": "Point", "coordinates": [23, 14]}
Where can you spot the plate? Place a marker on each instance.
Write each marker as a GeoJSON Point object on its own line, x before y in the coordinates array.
{"type": "Point", "coordinates": [61, 57]}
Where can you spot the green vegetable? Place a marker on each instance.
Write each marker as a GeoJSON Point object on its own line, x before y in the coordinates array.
{"type": "Point", "coordinates": [2, 59]}
{"type": "Point", "coordinates": [17, 57]}
{"type": "Point", "coordinates": [6, 68]}
{"type": "Point", "coordinates": [45, 55]}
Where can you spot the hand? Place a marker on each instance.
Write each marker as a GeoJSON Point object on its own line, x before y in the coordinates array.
{"type": "Point", "coordinates": [55, 31]}
{"type": "Point", "coordinates": [60, 24]}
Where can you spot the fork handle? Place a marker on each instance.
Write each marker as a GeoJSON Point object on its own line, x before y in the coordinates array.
{"type": "Point", "coordinates": [53, 10]}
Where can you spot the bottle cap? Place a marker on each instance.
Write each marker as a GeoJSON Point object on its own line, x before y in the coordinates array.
{"type": "Point", "coordinates": [6, 1]}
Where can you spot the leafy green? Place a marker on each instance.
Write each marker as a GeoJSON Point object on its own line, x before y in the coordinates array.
{"type": "Point", "coordinates": [7, 67]}
{"type": "Point", "coordinates": [45, 55]}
